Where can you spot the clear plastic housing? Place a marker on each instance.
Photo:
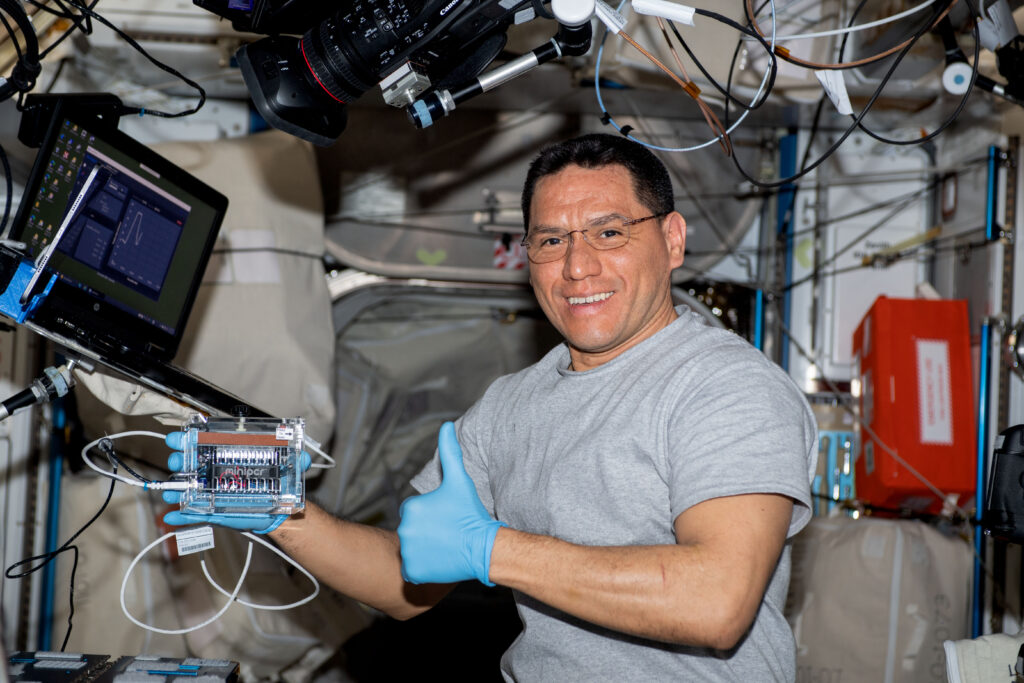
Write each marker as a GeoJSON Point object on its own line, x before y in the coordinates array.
{"type": "Point", "coordinates": [243, 466]}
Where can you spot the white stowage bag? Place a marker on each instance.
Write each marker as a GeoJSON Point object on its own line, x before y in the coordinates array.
{"type": "Point", "coordinates": [261, 326]}
{"type": "Point", "coordinates": [984, 659]}
{"type": "Point", "coordinates": [261, 329]}
{"type": "Point", "coordinates": [872, 600]}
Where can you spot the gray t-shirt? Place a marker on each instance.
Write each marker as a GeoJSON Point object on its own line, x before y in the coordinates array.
{"type": "Point", "coordinates": [612, 456]}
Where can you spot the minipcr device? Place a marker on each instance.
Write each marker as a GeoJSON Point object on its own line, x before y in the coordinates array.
{"type": "Point", "coordinates": [243, 466]}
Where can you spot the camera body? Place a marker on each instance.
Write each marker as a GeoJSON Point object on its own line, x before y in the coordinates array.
{"type": "Point", "coordinates": [302, 85]}
{"type": "Point", "coordinates": [1004, 504]}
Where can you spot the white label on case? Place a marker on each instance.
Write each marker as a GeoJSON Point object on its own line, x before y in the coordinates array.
{"type": "Point", "coordinates": [934, 394]}
{"type": "Point", "coordinates": [194, 540]}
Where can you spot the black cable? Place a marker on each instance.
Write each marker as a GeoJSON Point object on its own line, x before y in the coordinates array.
{"type": "Point", "coordinates": [274, 250]}
{"type": "Point", "coordinates": [52, 555]}
{"type": "Point", "coordinates": [747, 30]}
{"type": "Point", "coordinates": [9, 182]}
{"type": "Point", "coordinates": [896, 257]}
{"type": "Point", "coordinates": [106, 446]}
{"type": "Point", "coordinates": [788, 216]}
{"type": "Point", "coordinates": [538, 7]}
{"type": "Point", "coordinates": [849, 131]}
{"type": "Point", "coordinates": [902, 256]}
{"type": "Point", "coordinates": [856, 64]}
{"type": "Point", "coordinates": [79, 22]}
{"type": "Point", "coordinates": [773, 68]}
{"type": "Point", "coordinates": [718, 86]}
{"type": "Point", "coordinates": [960, 106]}
{"type": "Point", "coordinates": [13, 36]}
{"type": "Point", "coordinates": [371, 223]}
{"type": "Point", "coordinates": [56, 75]}
{"type": "Point", "coordinates": [26, 67]}
{"type": "Point", "coordinates": [87, 10]}
{"type": "Point", "coordinates": [729, 22]}
{"type": "Point", "coordinates": [791, 236]}
{"type": "Point", "coordinates": [842, 48]}
{"type": "Point", "coordinates": [759, 251]}
{"type": "Point", "coordinates": [849, 245]}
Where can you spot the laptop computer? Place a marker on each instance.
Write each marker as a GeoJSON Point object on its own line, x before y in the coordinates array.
{"type": "Point", "coordinates": [128, 235]}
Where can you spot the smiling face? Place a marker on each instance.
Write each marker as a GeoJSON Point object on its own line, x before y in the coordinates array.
{"type": "Point", "coordinates": [604, 302]}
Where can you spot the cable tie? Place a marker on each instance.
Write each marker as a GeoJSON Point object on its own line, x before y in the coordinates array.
{"type": "Point", "coordinates": [606, 119]}
{"type": "Point", "coordinates": [142, 112]}
{"type": "Point", "coordinates": [625, 130]}
{"type": "Point", "coordinates": [611, 18]}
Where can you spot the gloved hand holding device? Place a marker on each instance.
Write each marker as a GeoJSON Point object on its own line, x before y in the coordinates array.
{"type": "Point", "coordinates": [447, 535]}
{"type": "Point", "coordinates": [260, 524]}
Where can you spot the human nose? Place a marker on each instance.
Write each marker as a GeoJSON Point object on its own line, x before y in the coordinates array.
{"type": "Point", "coordinates": [580, 261]}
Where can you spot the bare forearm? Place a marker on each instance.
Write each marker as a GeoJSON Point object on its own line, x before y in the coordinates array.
{"type": "Point", "coordinates": [363, 562]}
{"type": "Point", "coordinates": [670, 593]}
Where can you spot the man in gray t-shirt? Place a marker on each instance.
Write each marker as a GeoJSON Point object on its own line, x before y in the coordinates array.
{"type": "Point", "coordinates": [611, 456]}
{"type": "Point", "coordinates": [635, 488]}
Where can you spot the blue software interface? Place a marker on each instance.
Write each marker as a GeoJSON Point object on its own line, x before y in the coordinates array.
{"type": "Point", "coordinates": [120, 245]}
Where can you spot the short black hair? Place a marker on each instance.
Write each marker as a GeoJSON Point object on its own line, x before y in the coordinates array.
{"type": "Point", "coordinates": [651, 182]}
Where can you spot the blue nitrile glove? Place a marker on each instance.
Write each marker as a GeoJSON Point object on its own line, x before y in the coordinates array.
{"type": "Point", "coordinates": [260, 524]}
{"type": "Point", "coordinates": [447, 535]}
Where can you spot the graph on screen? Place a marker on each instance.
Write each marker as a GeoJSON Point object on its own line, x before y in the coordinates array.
{"type": "Point", "coordinates": [144, 245]}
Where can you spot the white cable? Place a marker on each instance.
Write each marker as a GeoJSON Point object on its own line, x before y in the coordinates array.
{"type": "Point", "coordinates": [859, 27]}
{"type": "Point", "coordinates": [232, 596]}
{"type": "Point", "coordinates": [764, 82]}
{"type": "Point", "coordinates": [118, 477]}
{"type": "Point", "coordinates": [303, 601]}
{"type": "Point", "coordinates": [180, 631]}
{"type": "Point", "coordinates": [315, 447]}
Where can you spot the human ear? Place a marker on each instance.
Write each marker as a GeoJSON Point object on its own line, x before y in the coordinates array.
{"type": "Point", "coordinates": [673, 229]}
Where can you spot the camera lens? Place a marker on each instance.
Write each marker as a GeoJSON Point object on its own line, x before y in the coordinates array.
{"type": "Point", "coordinates": [350, 52]}
{"type": "Point", "coordinates": [333, 67]}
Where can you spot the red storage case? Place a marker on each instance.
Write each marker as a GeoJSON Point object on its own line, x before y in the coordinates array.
{"type": "Point", "coordinates": [913, 360]}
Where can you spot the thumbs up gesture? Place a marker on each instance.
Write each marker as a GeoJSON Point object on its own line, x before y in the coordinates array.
{"type": "Point", "coordinates": [447, 535]}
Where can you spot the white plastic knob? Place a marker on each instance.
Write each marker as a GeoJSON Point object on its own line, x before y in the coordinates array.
{"type": "Point", "coordinates": [572, 12]}
{"type": "Point", "coordinates": [956, 77]}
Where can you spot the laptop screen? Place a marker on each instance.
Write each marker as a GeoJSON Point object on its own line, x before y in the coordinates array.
{"type": "Point", "coordinates": [130, 258]}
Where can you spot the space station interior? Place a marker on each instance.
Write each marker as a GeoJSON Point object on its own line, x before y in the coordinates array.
{"type": "Point", "coordinates": [302, 221]}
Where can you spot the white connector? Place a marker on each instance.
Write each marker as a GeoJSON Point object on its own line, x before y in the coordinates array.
{"type": "Point", "coordinates": [166, 486]}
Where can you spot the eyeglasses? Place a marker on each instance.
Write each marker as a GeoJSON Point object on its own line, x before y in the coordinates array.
{"type": "Point", "coordinates": [544, 245]}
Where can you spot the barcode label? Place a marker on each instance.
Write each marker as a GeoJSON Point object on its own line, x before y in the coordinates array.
{"type": "Point", "coordinates": [194, 540]}
{"type": "Point", "coordinates": [285, 433]}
